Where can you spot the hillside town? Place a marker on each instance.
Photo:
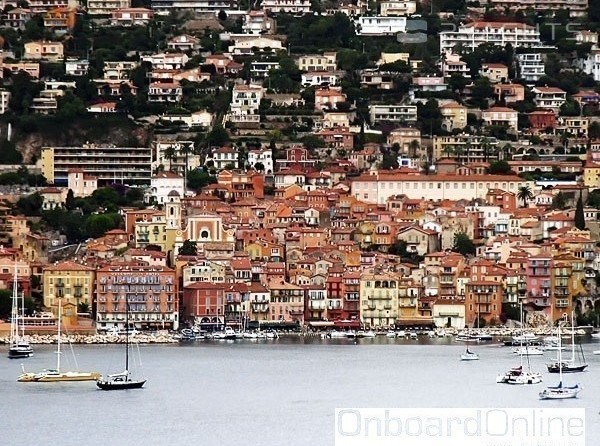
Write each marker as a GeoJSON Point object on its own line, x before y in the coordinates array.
{"type": "Point", "coordinates": [297, 164]}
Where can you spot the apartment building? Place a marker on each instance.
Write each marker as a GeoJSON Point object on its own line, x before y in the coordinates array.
{"type": "Point", "coordinates": [171, 92]}
{"type": "Point", "coordinates": [317, 62]}
{"type": "Point", "coordinates": [71, 282]}
{"type": "Point", "coordinates": [258, 22]}
{"type": "Point", "coordinates": [118, 70]}
{"type": "Point", "coordinates": [260, 69]}
{"type": "Point", "coordinates": [288, 6]}
{"type": "Point", "coordinates": [379, 25]}
{"type": "Point", "coordinates": [576, 8]}
{"type": "Point", "coordinates": [60, 20]}
{"type": "Point", "coordinates": [131, 17]}
{"type": "Point", "coordinates": [321, 78]}
{"type": "Point", "coordinates": [501, 116]}
{"type": "Point", "coordinates": [378, 299]}
{"type": "Point", "coordinates": [44, 50]}
{"type": "Point", "coordinates": [470, 36]}
{"type": "Point", "coordinates": [397, 8]}
{"type": "Point", "coordinates": [163, 184]}
{"type": "Point", "coordinates": [76, 67]}
{"type": "Point", "coordinates": [17, 18]}
{"type": "Point", "coordinates": [380, 186]}
{"type": "Point", "coordinates": [454, 116]}
{"type": "Point", "coordinates": [392, 113]}
{"type": "Point", "coordinates": [263, 156]}
{"type": "Point", "coordinates": [549, 97]}
{"type": "Point", "coordinates": [110, 164]}
{"type": "Point", "coordinates": [166, 61]}
{"type": "Point", "coordinates": [495, 72]}
{"type": "Point", "coordinates": [510, 93]}
{"type": "Point", "coordinates": [531, 67]}
{"type": "Point", "coordinates": [147, 293]}
{"type": "Point", "coordinates": [591, 64]}
{"type": "Point", "coordinates": [82, 184]}
{"type": "Point", "coordinates": [245, 102]}
{"type": "Point", "coordinates": [42, 6]}
{"type": "Point", "coordinates": [471, 148]}
{"type": "Point", "coordinates": [199, 6]}
{"type": "Point", "coordinates": [106, 7]}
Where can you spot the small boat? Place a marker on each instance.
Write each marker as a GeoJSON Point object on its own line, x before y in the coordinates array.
{"type": "Point", "coordinates": [596, 352]}
{"type": "Point", "coordinates": [187, 334]}
{"type": "Point", "coordinates": [596, 335]}
{"type": "Point", "coordinates": [469, 356]}
{"type": "Point", "coordinates": [367, 334]}
{"type": "Point", "coordinates": [351, 334]}
{"type": "Point", "coordinates": [272, 335]}
{"type": "Point", "coordinates": [55, 375]}
{"type": "Point", "coordinates": [413, 335]}
{"type": "Point", "coordinates": [440, 333]}
{"type": "Point", "coordinates": [390, 334]}
{"type": "Point", "coordinates": [230, 333]}
{"type": "Point", "coordinates": [483, 337]}
{"type": "Point", "coordinates": [431, 334]}
{"type": "Point", "coordinates": [528, 377]}
{"type": "Point", "coordinates": [250, 335]}
{"type": "Point", "coordinates": [528, 351]}
{"type": "Point", "coordinates": [560, 392]}
{"type": "Point", "coordinates": [569, 365]}
{"type": "Point", "coordinates": [463, 338]}
{"type": "Point", "coordinates": [219, 335]}
{"type": "Point", "coordinates": [123, 380]}
{"type": "Point", "coordinates": [18, 348]}
{"type": "Point", "coordinates": [515, 371]}
{"type": "Point", "coordinates": [337, 334]}
{"type": "Point", "coordinates": [401, 334]}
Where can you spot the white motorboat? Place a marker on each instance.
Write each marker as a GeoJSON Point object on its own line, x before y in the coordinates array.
{"type": "Point", "coordinates": [596, 335]}
{"type": "Point", "coordinates": [272, 335]}
{"type": "Point", "coordinates": [527, 377]}
{"type": "Point", "coordinates": [596, 352]}
{"type": "Point", "coordinates": [390, 334]}
{"type": "Point", "coordinates": [528, 351]}
{"type": "Point", "coordinates": [401, 334]}
{"type": "Point", "coordinates": [413, 335]}
{"type": "Point", "coordinates": [337, 334]}
{"type": "Point", "coordinates": [250, 335]}
{"type": "Point", "coordinates": [431, 334]}
{"type": "Point", "coordinates": [440, 333]}
{"type": "Point", "coordinates": [525, 338]}
{"type": "Point", "coordinates": [368, 334]}
{"type": "Point", "coordinates": [229, 333]}
{"type": "Point", "coordinates": [469, 356]}
{"type": "Point", "coordinates": [350, 334]}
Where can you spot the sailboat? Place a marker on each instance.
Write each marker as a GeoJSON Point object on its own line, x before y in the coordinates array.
{"type": "Point", "coordinates": [569, 365]}
{"type": "Point", "coordinates": [560, 392]}
{"type": "Point", "coordinates": [468, 355]}
{"type": "Point", "coordinates": [517, 375]}
{"type": "Point", "coordinates": [123, 380]}
{"type": "Point", "coordinates": [55, 375]}
{"type": "Point", "coordinates": [18, 346]}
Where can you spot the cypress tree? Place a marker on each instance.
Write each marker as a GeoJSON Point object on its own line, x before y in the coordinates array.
{"type": "Point", "coordinates": [579, 215]}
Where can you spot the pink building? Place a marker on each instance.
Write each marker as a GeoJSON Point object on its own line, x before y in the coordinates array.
{"type": "Point", "coordinates": [539, 283]}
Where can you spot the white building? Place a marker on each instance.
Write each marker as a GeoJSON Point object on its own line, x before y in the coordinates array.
{"type": "Point", "coordinates": [198, 6]}
{"type": "Point", "coordinates": [248, 47]}
{"type": "Point", "coordinates": [165, 92]}
{"type": "Point", "coordinates": [377, 187]}
{"type": "Point", "coordinates": [263, 156]}
{"type": "Point", "coordinates": [183, 42]}
{"type": "Point", "coordinates": [576, 8]}
{"type": "Point", "coordinates": [392, 113]}
{"type": "Point", "coordinates": [591, 65]}
{"type": "Point", "coordinates": [502, 116]}
{"type": "Point", "coordinates": [290, 6]}
{"type": "Point", "coordinates": [398, 8]}
{"type": "Point", "coordinates": [4, 98]}
{"type": "Point", "coordinates": [549, 97]}
{"type": "Point", "coordinates": [321, 78]}
{"type": "Point", "coordinates": [160, 149]}
{"type": "Point", "coordinates": [163, 183]}
{"type": "Point", "coordinates": [75, 67]}
{"type": "Point", "coordinates": [223, 157]}
{"type": "Point", "coordinates": [531, 67]}
{"type": "Point", "coordinates": [201, 118]}
{"type": "Point", "coordinates": [245, 100]}
{"type": "Point", "coordinates": [468, 37]}
{"type": "Point", "coordinates": [260, 69]}
{"type": "Point", "coordinates": [317, 62]}
{"type": "Point", "coordinates": [379, 26]}
{"type": "Point", "coordinates": [118, 70]}
{"type": "Point", "coordinates": [167, 61]}
{"type": "Point", "coordinates": [81, 183]}
{"type": "Point", "coordinates": [106, 7]}
{"type": "Point", "coordinates": [257, 22]}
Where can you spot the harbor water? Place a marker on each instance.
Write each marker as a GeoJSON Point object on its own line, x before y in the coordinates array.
{"type": "Point", "coordinates": [266, 392]}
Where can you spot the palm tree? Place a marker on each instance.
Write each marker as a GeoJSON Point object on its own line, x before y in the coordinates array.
{"type": "Point", "coordinates": [187, 147]}
{"type": "Point", "coordinates": [468, 147]}
{"type": "Point", "coordinates": [458, 152]}
{"type": "Point", "coordinates": [170, 153]}
{"type": "Point", "coordinates": [485, 146]}
{"type": "Point", "coordinates": [448, 150]}
{"type": "Point", "coordinates": [525, 194]}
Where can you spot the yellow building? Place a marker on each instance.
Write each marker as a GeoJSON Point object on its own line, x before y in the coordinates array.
{"type": "Point", "coordinates": [163, 228]}
{"type": "Point", "coordinates": [379, 299]}
{"type": "Point", "coordinates": [70, 281]}
{"type": "Point", "coordinates": [591, 175]}
{"type": "Point", "coordinates": [454, 116]}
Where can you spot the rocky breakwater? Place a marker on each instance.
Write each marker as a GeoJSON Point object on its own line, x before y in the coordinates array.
{"type": "Point", "coordinates": [154, 338]}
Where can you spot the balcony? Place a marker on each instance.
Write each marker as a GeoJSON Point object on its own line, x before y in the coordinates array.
{"type": "Point", "coordinates": [296, 311]}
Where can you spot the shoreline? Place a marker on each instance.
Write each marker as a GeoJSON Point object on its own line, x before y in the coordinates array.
{"type": "Point", "coordinates": [173, 338]}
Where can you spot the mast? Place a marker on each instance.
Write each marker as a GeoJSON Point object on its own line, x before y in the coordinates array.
{"type": "Point", "coordinates": [572, 338]}
{"type": "Point", "coordinates": [522, 334]}
{"type": "Point", "coordinates": [58, 348]}
{"type": "Point", "coordinates": [126, 336]}
{"type": "Point", "coordinates": [22, 316]}
{"type": "Point", "coordinates": [14, 321]}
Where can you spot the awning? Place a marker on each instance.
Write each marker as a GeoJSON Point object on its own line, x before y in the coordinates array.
{"type": "Point", "coordinates": [425, 322]}
{"type": "Point", "coordinates": [321, 324]}
{"type": "Point", "coordinates": [347, 324]}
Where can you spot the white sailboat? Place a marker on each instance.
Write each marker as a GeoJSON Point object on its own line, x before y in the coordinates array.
{"type": "Point", "coordinates": [18, 346]}
{"type": "Point", "coordinates": [516, 375]}
{"type": "Point", "coordinates": [56, 375]}
{"type": "Point", "coordinates": [569, 365]}
{"type": "Point", "coordinates": [468, 355]}
{"type": "Point", "coordinates": [560, 392]}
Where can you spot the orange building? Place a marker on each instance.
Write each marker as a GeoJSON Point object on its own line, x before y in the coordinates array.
{"type": "Point", "coordinates": [60, 19]}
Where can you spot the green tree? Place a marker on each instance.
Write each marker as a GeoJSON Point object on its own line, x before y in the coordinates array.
{"type": "Point", "coordinates": [188, 248]}
{"type": "Point", "coordinates": [217, 136]}
{"type": "Point", "coordinates": [559, 201]}
{"type": "Point", "coordinates": [594, 199]}
{"type": "Point", "coordinates": [170, 153]}
{"type": "Point", "coordinates": [482, 91]}
{"type": "Point", "coordinates": [5, 303]}
{"type": "Point", "coordinates": [199, 178]}
{"type": "Point", "coordinates": [30, 205]}
{"type": "Point", "coordinates": [398, 248]}
{"type": "Point", "coordinates": [312, 142]}
{"type": "Point", "coordinates": [579, 215]}
{"type": "Point", "coordinates": [499, 168]}
{"type": "Point", "coordinates": [70, 200]}
{"type": "Point", "coordinates": [463, 244]}
{"type": "Point", "coordinates": [96, 225]}
{"type": "Point", "coordinates": [525, 194]}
